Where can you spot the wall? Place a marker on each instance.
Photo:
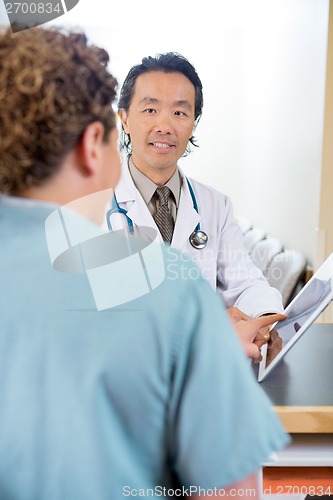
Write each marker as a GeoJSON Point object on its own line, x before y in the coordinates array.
{"type": "Point", "coordinates": [325, 229]}
{"type": "Point", "coordinates": [268, 136]}
{"type": "Point", "coordinates": [325, 240]}
{"type": "Point", "coordinates": [262, 63]}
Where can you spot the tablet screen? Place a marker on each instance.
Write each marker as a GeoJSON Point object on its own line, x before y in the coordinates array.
{"type": "Point", "coordinates": [309, 301]}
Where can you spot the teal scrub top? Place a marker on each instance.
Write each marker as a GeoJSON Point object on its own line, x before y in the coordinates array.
{"type": "Point", "coordinates": [130, 401]}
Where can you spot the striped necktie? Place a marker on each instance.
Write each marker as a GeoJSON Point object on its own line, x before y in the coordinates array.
{"type": "Point", "coordinates": [163, 217]}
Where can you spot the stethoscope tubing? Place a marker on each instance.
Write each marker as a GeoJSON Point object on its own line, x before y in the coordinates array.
{"type": "Point", "coordinates": [198, 238]}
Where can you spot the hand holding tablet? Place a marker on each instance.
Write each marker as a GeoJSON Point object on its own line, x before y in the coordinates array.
{"type": "Point", "coordinates": [313, 298]}
{"type": "Point", "coordinates": [251, 336]}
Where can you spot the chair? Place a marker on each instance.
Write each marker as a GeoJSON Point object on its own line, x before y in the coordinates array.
{"type": "Point", "coordinates": [263, 252]}
{"type": "Point", "coordinates": [286, 272]}
{"type": "Point", "coordinates": [252, 237]}
{"type": "Point", "coordinates": [245, 225]}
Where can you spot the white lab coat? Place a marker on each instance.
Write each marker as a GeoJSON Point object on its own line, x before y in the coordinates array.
{"type": "Point", "coordinates": [224, 262]}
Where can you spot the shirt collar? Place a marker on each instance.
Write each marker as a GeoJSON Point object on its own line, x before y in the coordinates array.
{"type": "Point", "coordinates": [18, 201]}
{"type": "Point", "coordinates": [147, 187]}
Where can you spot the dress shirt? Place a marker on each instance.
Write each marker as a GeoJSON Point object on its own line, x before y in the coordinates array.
{"type": "Point", "coordinates": [147, 188]}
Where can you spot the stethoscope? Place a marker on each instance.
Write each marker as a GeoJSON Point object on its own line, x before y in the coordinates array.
{"type": "Point", "coordinates": [198, 238]}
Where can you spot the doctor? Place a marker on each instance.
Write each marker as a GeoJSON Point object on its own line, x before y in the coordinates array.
{"type": "Point", "coordinates": [160, 105]}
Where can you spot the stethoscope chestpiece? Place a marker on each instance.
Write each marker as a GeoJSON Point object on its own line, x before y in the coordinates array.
{"type": "Point", "coordinates": [198, 239]}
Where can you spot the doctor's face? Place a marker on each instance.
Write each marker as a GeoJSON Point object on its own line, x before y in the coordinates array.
{"type": "Point", "coordinates": [160, 121]}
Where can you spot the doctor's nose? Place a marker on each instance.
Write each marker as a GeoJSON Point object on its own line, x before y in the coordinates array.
{"type": "Point", "coordinates": [163, 124]}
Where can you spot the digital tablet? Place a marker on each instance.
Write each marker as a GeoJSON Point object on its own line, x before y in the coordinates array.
{"type": "Point", "coordinates": [313, 298]}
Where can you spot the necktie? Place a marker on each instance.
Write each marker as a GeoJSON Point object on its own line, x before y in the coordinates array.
{"type": "Point", "coordinates": [163, 218]}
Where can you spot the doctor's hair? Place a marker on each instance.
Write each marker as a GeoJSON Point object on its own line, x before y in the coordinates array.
{"type": "Point", "coordinates": [53, 85]}
{"type": "Point", "coordinates": [170, 62]}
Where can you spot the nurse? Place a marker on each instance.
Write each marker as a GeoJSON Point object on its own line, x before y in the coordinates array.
{"type": "Point", "coordinates": [160, 105]}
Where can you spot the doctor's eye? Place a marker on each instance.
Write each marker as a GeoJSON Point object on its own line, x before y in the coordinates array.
{"type": "Point", "coordinates": [149, 111]}
{"type": "Point", "coordinates": [180, 113]}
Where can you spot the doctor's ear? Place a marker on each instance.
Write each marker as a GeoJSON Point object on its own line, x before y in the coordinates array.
{"type": "Point", "coordinates": [123, 117]}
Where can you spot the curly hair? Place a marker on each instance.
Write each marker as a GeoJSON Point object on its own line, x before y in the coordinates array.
{"type": "Point", "coordinates": [52, 86]}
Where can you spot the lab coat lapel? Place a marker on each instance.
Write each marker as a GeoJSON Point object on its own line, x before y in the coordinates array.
{"type": "Point", "coordinates": [131, 200]}
{"type": "Point", "coordinates": [187, 218]}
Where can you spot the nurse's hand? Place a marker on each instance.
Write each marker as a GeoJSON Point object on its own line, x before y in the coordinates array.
{"type": "Point", "coordinates": [262, 336]}
{"type": "Point", "coordinates": [237, 315]}
{"type": "Point", "coordinates": [250, 331]}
